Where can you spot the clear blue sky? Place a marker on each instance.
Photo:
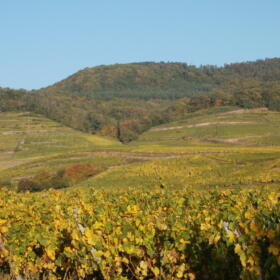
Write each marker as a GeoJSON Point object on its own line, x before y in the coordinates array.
{"type": "Point", "coordinates": [44, 41]}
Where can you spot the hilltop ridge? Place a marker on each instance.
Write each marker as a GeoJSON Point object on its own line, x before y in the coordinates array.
{"type": "Point", "coordinates": [164, 79]}
{"type": "Point", "coordinates": [124, 100]}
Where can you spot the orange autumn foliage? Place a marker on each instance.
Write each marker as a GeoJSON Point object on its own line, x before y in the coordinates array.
{"type": "Point", "coordinates": [79, 171]}
{"type": "Point", "coordinates": [218, 102]}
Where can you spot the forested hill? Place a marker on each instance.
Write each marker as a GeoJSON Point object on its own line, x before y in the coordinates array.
{"type": "Point", "coordinates": [124, 100]}
{"type": "Point", "coordinates": [136, 80]}
{"type": "Point", "coordinates": [165, 80]}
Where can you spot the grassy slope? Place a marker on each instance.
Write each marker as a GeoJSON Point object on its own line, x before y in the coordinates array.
{"type": "Point", "coordinates": [250, 127]}
{"type": "Point", "coordinates": [240, 155]}
{"type": "Point", "coordinates": [30, 143]}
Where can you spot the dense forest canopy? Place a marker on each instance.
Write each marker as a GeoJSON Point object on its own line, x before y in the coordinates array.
{"type": "Point", "coordinates": [123, 100]}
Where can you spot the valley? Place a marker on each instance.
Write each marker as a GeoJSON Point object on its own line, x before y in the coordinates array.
{"type": "Point", "coordinates": [224, 144]}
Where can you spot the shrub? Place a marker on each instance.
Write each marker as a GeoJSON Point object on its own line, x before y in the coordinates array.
{"type": "Point", "coordinates": [42, 181]}
{"type": "Point", "coordinates": [25, 185]}
{"type": "Point", "coordinates": [79, 172]}
{"type": "Point", "coordinates": [58, 182]}
{"type": "Point", "coordinates": [62, 179]}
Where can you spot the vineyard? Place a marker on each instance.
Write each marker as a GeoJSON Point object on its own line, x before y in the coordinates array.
{"type": "Point", "coordinates": [194, 199]}
{"type": "Point", "coordinates": [159, 234]}
{"type": "Point", "coordinates": [222, 125]}
{"type": "Point", "coordinates": [201, 170]}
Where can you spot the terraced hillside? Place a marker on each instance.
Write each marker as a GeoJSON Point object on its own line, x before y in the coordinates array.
{"type": "Point", "coordinates": [223, 146]}
{"type": "Point", "coordinates": [191, 197]}
{"type": "Point", "coordinates": [222, 125]}
{"type": "Point", "coordinates": [30, 143]}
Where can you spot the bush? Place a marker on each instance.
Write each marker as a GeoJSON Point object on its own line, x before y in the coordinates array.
{"type": "Point", "coordinates": [62, 179]}
{"type": "Point", "coordinates": [43, 181]}
{"type": "Point", "coordinates": [79, 172]}
{"type": "Point", "coordinates": [58, 182]}
{"type": "Point", "coordinates": [25, 185]}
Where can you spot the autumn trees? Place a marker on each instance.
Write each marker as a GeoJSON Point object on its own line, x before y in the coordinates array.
{"type": "Point", "coordinates": [124, 100]}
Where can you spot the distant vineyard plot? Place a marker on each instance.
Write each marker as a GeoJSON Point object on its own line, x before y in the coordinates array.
{"type": "Point", "coordinates": [226, 143]}
{"type": "Point", "coordinates": [30, 143]}
{"type": "Point", "coordinates": [247, 127]}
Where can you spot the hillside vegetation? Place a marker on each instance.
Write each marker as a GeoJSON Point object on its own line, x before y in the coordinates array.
{"type": "Point", "coordinates": [124, 100]}
{"type": "Point", "coordinates": [222, 125]}
{"type": "Point", "coordinates": [165, 80]}
{"type": "Point", "coordinates": [136, 234]}
{"type": "Point", "coordinates": [31, 144]}
{"type": "Point", "coordinates": [195, 206]}
{"type": "Point", "coordinates": [191, 190]}
{"type": "Point", "coordinates": [221, 147]}
{"type": "Point", "coordinates": [226, 143]}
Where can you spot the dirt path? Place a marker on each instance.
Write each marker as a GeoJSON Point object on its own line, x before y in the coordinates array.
{"type": "Point", "coordinates": [12, 163]}
{"type": "Point", "coordinates": [149, 156]}
{"type": "Point", "coordinates": [245, 111]}
{"type": "Point", "coordinates": [5, 164]}
{"type": "Point", "coordinates": [13, 132]}
{"type": "Point", "coordinates": [201, 125]}
{"type": "Point", "coordinates": [140, 156]}
{"type": "Point", "coordinates": [235, 140]}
